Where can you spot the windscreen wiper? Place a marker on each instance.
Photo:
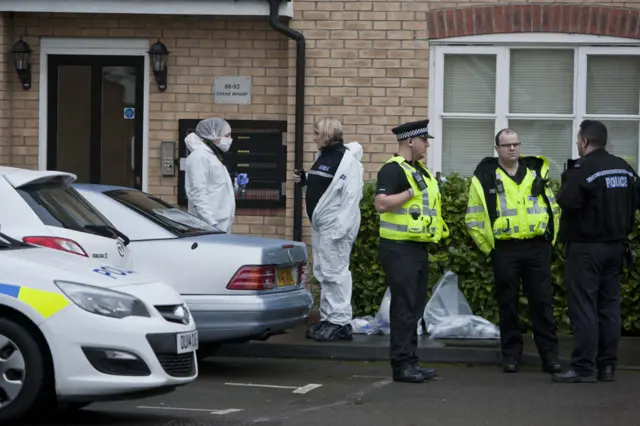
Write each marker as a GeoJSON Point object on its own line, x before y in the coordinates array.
{"type": "Point", "coordinates": [10, 242]}
{"type": "Point", "coordinates": [113, 230]}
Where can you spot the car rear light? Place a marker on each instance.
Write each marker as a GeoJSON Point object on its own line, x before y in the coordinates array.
{"type": "Point", "coordinates": [302, 274]}
{"type": "Point", "coordinates": [254, 278]}
{"type": "Point", "coordinates": [57, 243]}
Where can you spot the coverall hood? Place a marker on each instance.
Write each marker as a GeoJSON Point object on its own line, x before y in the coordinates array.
{"type": "Point", "coordinates": [195, 142]}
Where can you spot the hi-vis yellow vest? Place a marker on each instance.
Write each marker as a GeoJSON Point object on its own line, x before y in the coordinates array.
{"type": "Point", "coordinates": [428, 226]}
{"type": "Point", "coordinates": [520, 215]}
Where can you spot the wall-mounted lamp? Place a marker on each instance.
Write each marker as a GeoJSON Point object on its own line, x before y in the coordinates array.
{"type": "Point", "coordinates": [159, 54]}
{"type": "Point", "coordinates": [21, 55]}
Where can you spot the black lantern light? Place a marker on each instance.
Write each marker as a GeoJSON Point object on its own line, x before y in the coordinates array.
{"type": "Point", "coordinates": [159, 54]}
{"type": "Point", "coordinates": [21, 55]}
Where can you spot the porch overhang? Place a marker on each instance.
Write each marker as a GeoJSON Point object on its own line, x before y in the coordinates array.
{"type": "Point", "coordinates": [148, 7]}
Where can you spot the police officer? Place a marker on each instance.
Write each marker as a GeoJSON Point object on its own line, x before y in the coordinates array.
{"type": "Point", "coordinates": [408, 198]}
{"type": "Point", "coordinates": [599, 197]}
{"type": "Point", "coordinates": [512, 214]}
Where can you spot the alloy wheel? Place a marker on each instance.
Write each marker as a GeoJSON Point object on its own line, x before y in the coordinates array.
{"type": "Point", "coordinates": [12, 371]}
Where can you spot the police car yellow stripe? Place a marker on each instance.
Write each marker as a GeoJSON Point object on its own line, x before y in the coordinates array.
{"type": "Point", "coordinates": [46, 303]}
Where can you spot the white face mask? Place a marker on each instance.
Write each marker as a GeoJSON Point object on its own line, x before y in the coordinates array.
{"type": "Point", "coordinates": [225, 144]}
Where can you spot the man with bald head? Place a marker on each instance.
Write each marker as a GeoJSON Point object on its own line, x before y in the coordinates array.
{"type": "Point", "coordinates": [512, 215]}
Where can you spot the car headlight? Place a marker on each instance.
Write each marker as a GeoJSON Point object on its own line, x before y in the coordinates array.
{"type": "Point", "coordinates": [101, 301]}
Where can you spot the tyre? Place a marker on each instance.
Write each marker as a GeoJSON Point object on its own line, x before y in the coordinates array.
{"type": "Point", "coordinates": [23, 383]}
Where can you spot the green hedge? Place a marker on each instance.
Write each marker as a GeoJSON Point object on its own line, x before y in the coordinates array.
{"type": "Point", "coordinates": [459, 254]}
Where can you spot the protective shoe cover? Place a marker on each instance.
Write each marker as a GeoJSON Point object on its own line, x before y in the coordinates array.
{"type": "Point", "coordinates": [334, 332]}
{"type": "Point", "coordinates": [335, 226]}
{"type": "Point", "coordinates": [207, 182]}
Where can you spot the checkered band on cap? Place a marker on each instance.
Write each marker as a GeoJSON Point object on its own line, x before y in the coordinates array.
{"type": "Point", "coordinates": [412, 133]}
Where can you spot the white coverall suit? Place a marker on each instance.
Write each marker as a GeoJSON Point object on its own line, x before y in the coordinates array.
{"type": "Point", "coordinates": [208, 186]}
{"type": "Point", "coordinates": [335, 226]}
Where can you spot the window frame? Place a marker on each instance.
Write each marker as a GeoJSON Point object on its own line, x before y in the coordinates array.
{"type": "Point", "coordinates": [500, 45]}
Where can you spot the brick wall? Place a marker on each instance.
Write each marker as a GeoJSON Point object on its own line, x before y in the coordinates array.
{"type": "Point", "coordinates": [5, 93]}
{"type": "Point", "coordinates": [368, 66]}
{"type": "Point", "coordinates": [201, 48]}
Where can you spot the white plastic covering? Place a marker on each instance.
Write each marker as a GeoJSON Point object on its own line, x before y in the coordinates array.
{"type": "Point", "coordinates": [380, 324]}
{"type": "Point", "coordinates": [446, 316]}
{"type": "Point", "coordinates": [449, 316]}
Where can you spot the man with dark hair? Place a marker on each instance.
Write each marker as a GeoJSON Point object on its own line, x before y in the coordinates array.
{"type": "Point", "coordinates": [512, 216]}
{"type": "Point", "coordinates": [599, 198]}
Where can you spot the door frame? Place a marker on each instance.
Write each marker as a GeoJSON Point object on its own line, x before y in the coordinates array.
{"type": "Point", "coordinates": [89, 47]}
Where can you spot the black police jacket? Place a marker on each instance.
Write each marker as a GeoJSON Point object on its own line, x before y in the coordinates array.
{"type": "Point", "coordinates": [599, 197]}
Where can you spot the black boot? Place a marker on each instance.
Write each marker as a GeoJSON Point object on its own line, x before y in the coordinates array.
{"type": "Point", "coordinates": [606, 373]}
{"type": "Point", "coordinates": [510, 365]}
{"type": "Point", "coordinates": [572, 376]}
{"type": "Point", "coordinates": [551, 365]}
{"type": "Point", "coordinates": [427, 373]}
{"type": "Point", "coordinates": [407, 374]}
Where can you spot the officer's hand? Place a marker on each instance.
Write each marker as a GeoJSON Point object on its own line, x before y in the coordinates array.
{"type": "Point", "coordinates": [297, 175]}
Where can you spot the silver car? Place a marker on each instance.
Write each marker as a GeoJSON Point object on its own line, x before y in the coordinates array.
{"type": "Point", "coordinates": [239, 288]}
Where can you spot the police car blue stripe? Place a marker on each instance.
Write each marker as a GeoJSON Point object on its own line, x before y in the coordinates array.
{"type": "Point", "coordinates": [10, 290]}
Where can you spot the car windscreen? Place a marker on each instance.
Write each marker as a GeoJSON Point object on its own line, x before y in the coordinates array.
{"type": "Point", "coordinates": [169, 217]}
{"type": "Point", "coordinates": [62, 206]}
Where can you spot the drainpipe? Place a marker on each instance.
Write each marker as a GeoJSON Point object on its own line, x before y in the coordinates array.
{"type": "Point", "coordinates": [274, 12]}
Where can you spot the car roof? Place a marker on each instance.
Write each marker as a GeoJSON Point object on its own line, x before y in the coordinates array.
{"type": "Point", "coordinates": [94, 187]}
{"type": "Point", "coordinates": [19, 177]}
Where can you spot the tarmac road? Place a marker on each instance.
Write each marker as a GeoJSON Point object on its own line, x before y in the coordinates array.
{"type": "Point", "coordinates": [356, 393]}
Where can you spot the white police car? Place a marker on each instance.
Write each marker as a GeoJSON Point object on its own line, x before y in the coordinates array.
{"type": "Point", "coordinates": [40, 207]}
{"type": "Point", "coordinates": [74, 331]}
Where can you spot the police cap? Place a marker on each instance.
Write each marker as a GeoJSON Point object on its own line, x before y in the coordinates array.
{"type": "Point", "coordinates": [412, 130]}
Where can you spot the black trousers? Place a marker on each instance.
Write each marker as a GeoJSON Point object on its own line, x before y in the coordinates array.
{"type": "Point", "coordinates": [592, 279]}
{"type": "Point", "coordinates": [529, 261]}
{"type": "Point", "coordinates": [406, 265]}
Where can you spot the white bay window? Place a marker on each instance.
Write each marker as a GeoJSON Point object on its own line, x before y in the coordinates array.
{"type": "Point", "coordinates": [541, 91]}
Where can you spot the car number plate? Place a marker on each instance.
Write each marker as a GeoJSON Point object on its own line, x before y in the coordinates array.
{"type": "Point", "coordinates": [187, 342]}
{"type": "Point", "coordinates": [285, 277]}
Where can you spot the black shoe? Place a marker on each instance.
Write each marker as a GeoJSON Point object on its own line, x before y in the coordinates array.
{"type": "Point", "coordinates": [332, 332]}
{"type": "Point", "coordinates": [606, 373]}
{"type": "Point", "coordinates": [408, 375]}
{"type": "Point", "coordinates": [510, 367]}
{"type": "Point", "coordinates": [573, 377]}
{"type": "Point", "coordinates": [314, 329]}
{"type": "Point", "coordinates": [427, 373]}
{"type": "Point", "coordinates": [552, 366]}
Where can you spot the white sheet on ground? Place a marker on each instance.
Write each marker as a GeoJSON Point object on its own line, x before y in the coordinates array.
{"type": "Point", "coordinates": [446, 316]}
{"type": "Point", "coordinates": [449, 316]}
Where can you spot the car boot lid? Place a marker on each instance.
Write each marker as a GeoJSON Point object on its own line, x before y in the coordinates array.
{"type": "Point", "coordinates": [55, 265]}
{"type": "Point", "coordinates": [20, 177]}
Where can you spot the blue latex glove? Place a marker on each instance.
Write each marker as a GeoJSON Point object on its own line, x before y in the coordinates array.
{"type": "Point", "coordinates": [242, 179]}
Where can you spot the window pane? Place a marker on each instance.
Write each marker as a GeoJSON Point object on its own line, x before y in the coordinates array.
{"type": "Point", "coordinates": [470, 83]}
{"type": "Point", "coordinates": [613, 84]}
{"type": "Point", "coordinates": [165, 215]}
{"type": "Point", "coordinates": [541, 81]}
{"type": "Point", "coordinates": [623, 140]}
{"type": "Point", "coordinates": [550, 138]}
{"type": "Point", "coordinates": [465, 143]}
{"type": "Point", "coordinates": [61, 206]}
